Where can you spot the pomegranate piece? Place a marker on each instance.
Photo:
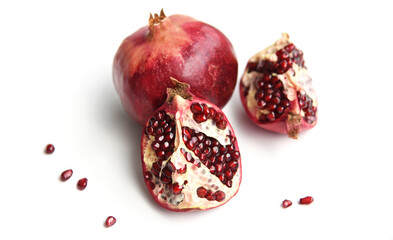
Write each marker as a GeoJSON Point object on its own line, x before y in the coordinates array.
{"type": "Point", "coordinates": [176, 46]}
{"type": "Point", "coordinates": [110, 221]}
{"type": "Point", "coordinates": [306, 200]}
{"type": "Point", "coordinates": [276, 90]}
{"type": "Point", "coordinates": [190, 164]}
{"type": "Point", "coordinates": [49, 149]}
{"type": "Point", "coordinates": [286, 203]}
{"type": "Point", "coordinates": [82, 183]}
{"type": "Point", "coordinates": [66, 175]}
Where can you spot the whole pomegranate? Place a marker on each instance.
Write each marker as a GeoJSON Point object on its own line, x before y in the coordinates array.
{"type": "Point", "coordinates": [276, 90]}
{"type": "Point", "coordinates": [176, 46]}
{"type": "Point", "coordinates": [190, 157]}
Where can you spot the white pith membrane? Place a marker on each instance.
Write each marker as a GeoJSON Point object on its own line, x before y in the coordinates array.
{"type": "Point", "coordinates": [296, 79]}
{"type": "Point", "coordinates": [194, 177]}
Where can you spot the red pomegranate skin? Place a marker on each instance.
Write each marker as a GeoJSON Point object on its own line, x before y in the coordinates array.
{"type": "Point", "coordinates": [180, 47]}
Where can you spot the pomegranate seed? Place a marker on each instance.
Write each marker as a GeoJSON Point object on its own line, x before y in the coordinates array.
{"type": "Point", "coordinates": [236, 155]}
{"type": "Point", "coordinates": [306, 200]}
{"type": "Point", "coordinates": [169, 136]}
{"type": "Point", "coordinates": [278, 85]}
{"type": "Point", "coordinates": [212, 113]}
{"type": "Point", "coordinates": [218, 117]}
{"type": "Point", "coordinates": [261, 103]}
{"type": "Point", "coordinates": [196, 108]}
{"type": "Point", "coordinates": [151, 185]}
{"type": "Point", "coordinates": [206, 110]}
{"type": "Point", "coordinates": [271, 116]}
{"type": "Point", "coordinates": [220, 196]}
{"type": "Point", "coordinates": [155, 145]}
{"type": "Point", "coordinates": [200, 137]}
{"type": "Point", "coordinates": [200, 118]}
{"type": "Point", "coordinates": [66, 175]}
{"type": "Point", "coordinates": [82, 183]}
{"type": "Point", "coordinates": [210, 195]}
{"type": "Point", "coordinates": [289, 48]}
{"type": "Point", "coordinates": [221, 177]}
{"type": "Point", "coordinates": [166, 171]}
{"type": "Point", "coordinates": [259, 84]}
{"type": "Point", "coordinates": [110, 221]}
{"type": "Point", "coordinates": [176, 189]}
{"type": "Point", "coordinates": [233, 165]}
{"type": "Point", "coordinates": [201, 192]}
{"type": "Point", "coordinates": [49, 149]}
{"type": "Point", "coordinates": [218, 168]}
{"type": "Point", "coordinates": [165, 179]}
{"type": "Point", "coordinates": [212, 169]}
{"type": "Point", "coordinates": [187, 132]}
{"type": "Point", "coordinates": [275, 100]}
{"type": "Point", "coordinates": [221, 124]}
{"type": "Point", "coordinates": [286, 203]}
{"type": "Point", "coordinates": [229, 183]}
{"type": "Point", "coordinates": [182, 170]}
{"type": "Point", "coordinates": [159, 115]}
{"type": "Point", "coordinates": [280, 109]}
{"type": "Point", "coordinates": [271, 106]}
{"type": "Point", "coordinates": [229, 173]}
{"type": "Point", "coordinates": [160, 154]}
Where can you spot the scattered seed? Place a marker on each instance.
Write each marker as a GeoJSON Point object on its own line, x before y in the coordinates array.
{"type": "Point", "coordinates": [286, 203]}
{"type": "Point", "coordinates": [306, 200]}
{"type": "Point", "coordinates": [49, 149]}
{"type": "Point", "coordinates": [110, 221]}
{"type": "Point", "coordinates": [82, 183]}
{"type": "Point", "coordinates": [66, 175]}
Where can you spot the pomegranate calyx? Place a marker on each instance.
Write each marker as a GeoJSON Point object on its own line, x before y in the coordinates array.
{"type": "Point", "coordinates": [157, 18]}
{"type": "Point", "coordinates": [182, 89]}
{"type": "Point", "coordinates": [293, 125]}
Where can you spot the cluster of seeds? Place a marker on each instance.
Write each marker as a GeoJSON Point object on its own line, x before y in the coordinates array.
{"type": "Point", "coordinates": [165, 175]}
{"type": "Point", "coordinates": [222, 161]}
{"type": "Point", "coordinates": [163, 128]}
{"type": "Point", "coordinates": [169, 190]}
{"type": "Point", "coordinates": [285, 58]}
{"type": "Point", "coordinates": [201, 113]}
{"type": "Point", "coordinates": [303, 201]}
{"type": "Point", "coordinates": [210, 195]}
{"type": "Point", "coordinates": [270, 96]}
{"type": "Point", "coordinates": [305, 103]}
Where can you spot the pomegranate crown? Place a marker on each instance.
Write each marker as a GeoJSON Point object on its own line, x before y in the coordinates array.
{"type": "Point", "coordinates": [157, 18]}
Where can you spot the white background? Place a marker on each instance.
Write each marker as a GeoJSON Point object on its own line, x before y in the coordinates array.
{"type": "Point", "coordinates": [56, 87]}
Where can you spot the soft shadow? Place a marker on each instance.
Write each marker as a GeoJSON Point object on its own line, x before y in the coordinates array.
{"type": "Point", "coordinates": [130, 131]}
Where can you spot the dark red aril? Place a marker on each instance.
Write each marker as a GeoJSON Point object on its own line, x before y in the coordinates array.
{"type": "Point", "coordinates": [286, 203]}
{"type": "Point", "coordinates": [82, 183]}
{"type": "Point", "coordinates": [49, 149]}
{"type": "Point", "coordinates": [306, 200]}
{"type": "Point", "coordinates": [66, 175]}
{"type": "Point", "coordinates": [201, 192]}
{"type": "Point", "coordinates": [110, 221]}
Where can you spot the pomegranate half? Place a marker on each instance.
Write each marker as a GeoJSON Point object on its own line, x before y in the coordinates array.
{"type": "Point", "coordinates": [190, 156]}
{"type": "Point", "coordinates": [276, 90]}
{"type": "Point", "coordinates": [176, 46]}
